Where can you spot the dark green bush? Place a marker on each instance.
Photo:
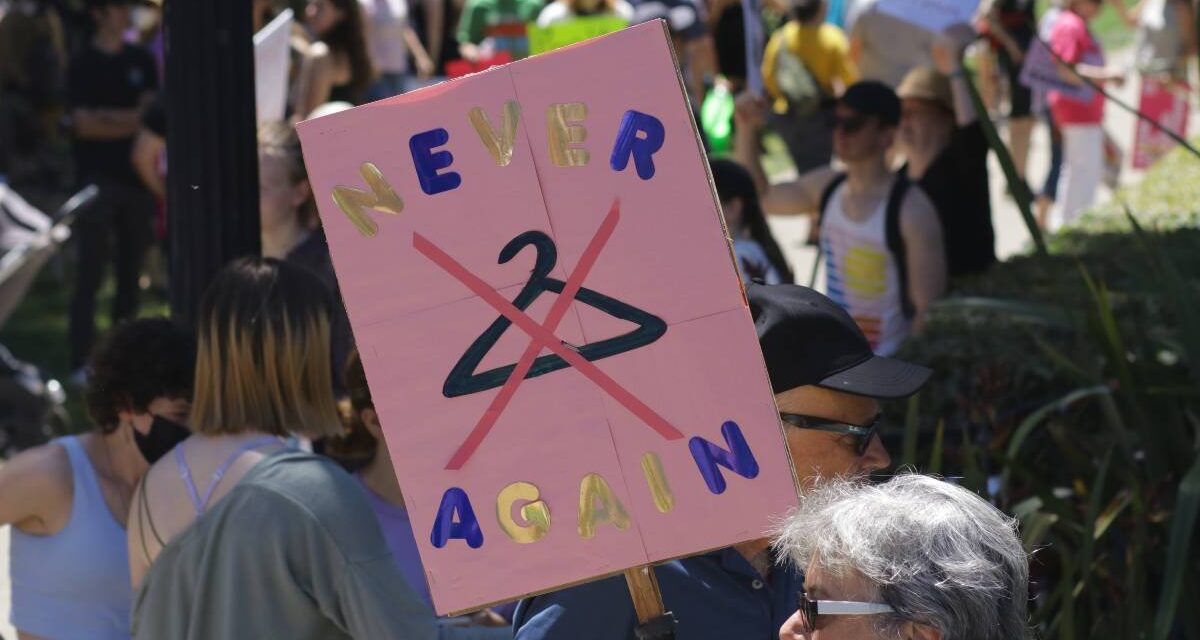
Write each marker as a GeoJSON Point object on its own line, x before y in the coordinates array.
{"type": "Point", "coordinates": [1067, 387]}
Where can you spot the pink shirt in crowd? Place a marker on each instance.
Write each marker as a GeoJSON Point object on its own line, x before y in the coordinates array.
{"type": "Point", "coordinates": [1072, 41]}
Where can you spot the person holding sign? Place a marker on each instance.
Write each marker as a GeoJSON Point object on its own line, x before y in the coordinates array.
{"type": "Point", "coordinates": [880, 235]}
{"type": "Point", "coordinates": [914, 557]}
{"type": "Point", "coordinates": [238, 536]}
{"type": "Point", "coordinates": [826, 381]}
{"type": "Point", "coordinates": [1080, 120]}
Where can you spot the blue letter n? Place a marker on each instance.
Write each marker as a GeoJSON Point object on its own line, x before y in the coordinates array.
{"type": "Point", "coordinates": [738, 458]}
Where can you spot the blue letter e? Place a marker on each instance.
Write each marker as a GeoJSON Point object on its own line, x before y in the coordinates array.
{"type": "Point", "coordinates": [640, 148]}
{"type": "Point", "coordinates": [738, 459]}
{"type": "Point", "coordinates": [455, 500]}
{"type": "Point", "coordinates": [429, 163]}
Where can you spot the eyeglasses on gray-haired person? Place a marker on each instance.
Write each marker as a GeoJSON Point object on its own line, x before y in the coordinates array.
{"type": "Point", "coordinates": [914, 558]}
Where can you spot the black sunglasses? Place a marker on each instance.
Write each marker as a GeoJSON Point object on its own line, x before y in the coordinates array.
{"type": "Point", "coordinates": [850, 124]}
{"type": "Point", "coordinates": [862, 433]}
{"type": "Point", "coordinates": [810, 609]}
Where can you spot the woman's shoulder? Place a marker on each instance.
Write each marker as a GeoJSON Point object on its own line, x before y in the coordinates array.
{"type": "Point", "coordinates": [310, 491]}
{"type": "Point", "coordinates": [37, 484]}
{"type": "Point", "coordinates": [46, 468]}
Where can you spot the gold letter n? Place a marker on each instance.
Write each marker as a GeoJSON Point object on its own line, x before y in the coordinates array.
{"type": "Point", "coordinates": [354, 202]}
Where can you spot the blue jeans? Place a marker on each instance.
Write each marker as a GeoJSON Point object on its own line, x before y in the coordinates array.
{"type": "Point", "coordinates": [1050, 187]}
{"type": "Point", "coordinates": [386, 86]}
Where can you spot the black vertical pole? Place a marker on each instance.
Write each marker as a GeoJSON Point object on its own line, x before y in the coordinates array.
{"type": "Point", "coordinates": [212, 158]}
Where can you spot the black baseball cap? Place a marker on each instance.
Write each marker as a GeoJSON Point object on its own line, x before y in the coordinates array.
{"type": "Point", "coordinates": [807, 339]}
{"type": "Point", "coordinates": [872, 98]}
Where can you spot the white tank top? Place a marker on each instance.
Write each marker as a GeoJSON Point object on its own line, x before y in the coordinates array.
{"type": "Point", "coordinates": [861, 274]}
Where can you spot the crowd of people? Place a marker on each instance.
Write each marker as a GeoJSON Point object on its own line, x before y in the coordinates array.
{"type": "Point", "coordinates": [236, 484]}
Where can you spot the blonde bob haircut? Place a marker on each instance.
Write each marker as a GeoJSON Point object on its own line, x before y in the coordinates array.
{"type": "Point", "coordinates": [262, 361]}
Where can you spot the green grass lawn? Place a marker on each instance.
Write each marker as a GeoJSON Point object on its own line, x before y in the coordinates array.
{"type": "Point", "coordinates": [37, 331]}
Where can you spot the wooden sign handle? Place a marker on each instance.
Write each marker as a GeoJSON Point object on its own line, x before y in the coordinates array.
{"type": "Point", "coordinates": [643, 588]}
{"type": "Point", "coordinates": [653, 622]}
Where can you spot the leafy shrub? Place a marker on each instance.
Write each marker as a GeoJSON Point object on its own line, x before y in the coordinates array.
{"type": "Point", "coordinates": [1067, 387]}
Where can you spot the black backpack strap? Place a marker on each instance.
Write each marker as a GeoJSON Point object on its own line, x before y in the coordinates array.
{"type": "Point", "coordinates": [895, 240]}
{"type": "Point", "coordinates": [814, 233]}
{"type": "Point", "coordinates": [827, 195]}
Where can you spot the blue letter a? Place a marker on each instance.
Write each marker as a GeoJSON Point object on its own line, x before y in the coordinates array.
{"type": "Point", "coordinates": [738, 458]}
{"type": "Point", "coordinates": [455, 500]}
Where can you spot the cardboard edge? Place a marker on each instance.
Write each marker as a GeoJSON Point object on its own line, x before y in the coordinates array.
{"type": "Point", "coordinates": [712, 186]}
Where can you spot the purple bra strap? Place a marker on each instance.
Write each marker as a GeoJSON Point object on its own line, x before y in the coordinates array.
{"type": "Point", "coordinates": [185, 473]}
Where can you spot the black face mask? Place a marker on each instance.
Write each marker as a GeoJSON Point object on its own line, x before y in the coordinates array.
{"type": "Point", "coordinates": [164, 435]}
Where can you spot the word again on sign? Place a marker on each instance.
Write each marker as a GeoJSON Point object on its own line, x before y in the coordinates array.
{"type": "Point", "coordinates": [598, 503]}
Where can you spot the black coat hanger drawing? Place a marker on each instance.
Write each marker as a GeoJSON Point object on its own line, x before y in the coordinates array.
{"type": "Point", "coordinates": [463, 380]}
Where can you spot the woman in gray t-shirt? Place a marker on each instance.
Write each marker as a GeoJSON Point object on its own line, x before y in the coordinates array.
{"type": "Point", "coordinates": [238, 536]}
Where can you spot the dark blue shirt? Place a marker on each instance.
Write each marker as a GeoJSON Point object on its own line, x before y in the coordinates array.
{"type": "Point", "coordinates": [717, 595]}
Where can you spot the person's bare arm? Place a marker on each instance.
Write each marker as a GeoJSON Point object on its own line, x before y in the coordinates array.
{"type": "Point", "coordinates": [856, 45]}
{"type": "Point", "coordinates": [435, 20]}
{"type": "Point", "coordinates": [997, 30]}
{"type": "Point", "coordinates": [35, 490]}
{"type": "Point", "coordinates": [802, 195]}
{"type": "Point", "coordinates": [106, 124]}
{"type": "Point", "coordinates": [1185, 15]}
{"type": "Point", "coordinates": [147, 149]}
{"type": "Point", "coordinates": [925, 253]}
{"type": "Point", "coordinates": [1091, 72]}
{"type": "Point", "coordinates": [799, 196]}
{"type": "Point", "coordinates": [469, 51]}
{"type": "Point", "coordinates": [315, 82]}
{"type": "Point", "coordinates": [947, 55]}
{"type": "Point", "coordinates": [425, 66]}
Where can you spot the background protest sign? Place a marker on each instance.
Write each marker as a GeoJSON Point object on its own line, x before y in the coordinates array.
{"type": "Point", "coordinates": [550, 319]}
{"type": "Point", "coordinates": [272, 61]}
{"type": "Point", "coordinates": [1168, 106]}
{"type": "Point", "coordinates": [934, 15]}
{"type": "Point", "coordinates": [1040, 73]}
{"type": "Point", "coordinates": [561, 34]}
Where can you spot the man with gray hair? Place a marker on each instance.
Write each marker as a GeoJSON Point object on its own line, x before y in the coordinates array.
{"type": "Point", "coordinates": [915, 558]}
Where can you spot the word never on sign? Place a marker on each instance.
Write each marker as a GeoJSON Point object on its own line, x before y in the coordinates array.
{"type": "Point", "coordinates": [638, 137]}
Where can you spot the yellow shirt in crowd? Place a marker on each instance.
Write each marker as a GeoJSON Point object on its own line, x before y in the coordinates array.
{"type": "Point", "coordinates": [824, 49]}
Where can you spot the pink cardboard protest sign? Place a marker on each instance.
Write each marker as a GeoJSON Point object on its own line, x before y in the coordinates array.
{"type": "Point", "coordinates": [1166, 104]}
{"type": "Point", "coordinates": [555, 336]}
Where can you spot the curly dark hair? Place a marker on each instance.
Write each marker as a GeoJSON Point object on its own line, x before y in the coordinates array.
{"type": "Point", "coordinates": [355, 447]}
{"type": "Point", "coordinates": [138, 361]}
